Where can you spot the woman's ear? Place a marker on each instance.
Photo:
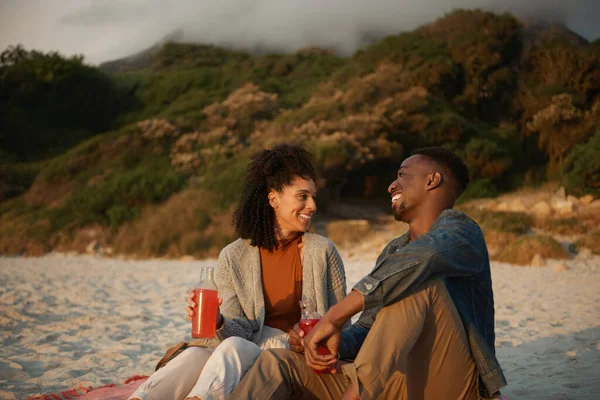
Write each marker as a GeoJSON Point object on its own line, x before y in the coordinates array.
{"type": "Point", "coordinates": [273, 200]}
{"type": "Point", "coordinates": [434, 180]}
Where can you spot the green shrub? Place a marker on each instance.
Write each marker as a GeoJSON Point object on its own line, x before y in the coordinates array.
{"type": "Point", "coordinates": [479, 189]}
{"type": "Point", "coordinates": [118, 197]}
{"type": "Point", "coordinates": [49, 103]}
{"type": "Point", "coordinates": [16, 179]}
{"type": "Point", "coordinates": [581, 170]}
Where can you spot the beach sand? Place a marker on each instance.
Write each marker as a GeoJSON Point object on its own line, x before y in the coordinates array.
{"type": "Point", "coordinates": [69, 321]}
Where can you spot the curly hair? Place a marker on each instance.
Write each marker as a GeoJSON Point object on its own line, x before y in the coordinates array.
{"type": "Point", "coordinates": [450, 163]}
{"type": "Point", "coordinates": [272, 169]}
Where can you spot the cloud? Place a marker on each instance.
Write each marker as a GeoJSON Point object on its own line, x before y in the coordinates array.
{"type": "Point", "coordinates": [108, 29]}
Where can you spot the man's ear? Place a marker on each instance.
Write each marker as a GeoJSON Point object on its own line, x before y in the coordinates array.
{"type": "Point", "coordinates": [434, 180]}
{"type": "Point", "coordinates": [273, 200]}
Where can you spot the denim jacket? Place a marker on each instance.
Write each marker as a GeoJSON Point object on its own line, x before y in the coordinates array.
{"type": "Point", "coordinates": [453, 250]}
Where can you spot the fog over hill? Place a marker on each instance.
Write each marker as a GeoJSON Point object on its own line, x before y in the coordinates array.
{"type": "Point", "coordinates": [110, 29]}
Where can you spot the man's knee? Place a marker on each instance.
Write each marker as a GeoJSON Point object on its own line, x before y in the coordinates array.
{"type": "Point", "coordinates": [419, 299]}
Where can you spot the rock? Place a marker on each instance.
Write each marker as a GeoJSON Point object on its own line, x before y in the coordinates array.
{"type": "Point", "coordinates": [595, 203]}
{"type": "Point", "coordinates": [187, 258]}
{"type": "Point", "coordinates": [516, 206]}
{"type": "Point", "coordinates": [502, 206]}
{"type": "Point", "coordinates": [561, 193]}
{"type": "Point", "coordinates": [538, 261]}
{"type": "Point", "coordinates": [572, 199]}
{"type": "Point", "coordinates": [541, 209]}
{"type": "Point", "coordinates": [562, 207]}
{"type": "Point", "coordinates": [561, 267]}
{"type": "Point", "coordinates": [7, 395]}
{"type": "Point", "coordinates": [584, 253]}
{"type": "Point", "coordinates": [489, 205]}
{"type": "Point", "coordinates": [586, 200]}
{"type": "Point", "coordinates": [93, 248]}
{"type": "Point", "coordinates": [107, 250]}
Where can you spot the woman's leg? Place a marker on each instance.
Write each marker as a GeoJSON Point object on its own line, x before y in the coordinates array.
{"type": "Point", "coordinates": [225, 368]}
{"type": "Point", "coordinates": [176, 378]}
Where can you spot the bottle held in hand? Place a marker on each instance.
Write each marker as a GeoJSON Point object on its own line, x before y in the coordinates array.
{"type": "Point", "coordinates": [206, 297]}
{"type": "Point", "coordinates": [309, 318]}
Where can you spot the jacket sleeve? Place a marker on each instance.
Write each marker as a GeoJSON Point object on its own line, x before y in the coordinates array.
{"type": "Point", "coordinates": [452, 249]}
{"type": "Point", "coordinates": [235, 322]}
{"type": "Point", "coordinates": [336, 277]}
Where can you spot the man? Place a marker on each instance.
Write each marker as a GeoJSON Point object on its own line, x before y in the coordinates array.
{"type": "Point", "coordinates": [427, 325]}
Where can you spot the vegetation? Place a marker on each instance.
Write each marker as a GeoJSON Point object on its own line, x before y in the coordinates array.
{"type": "Point", "coordinates": [85, 147]}
{"type": "Point", "coordinates": [591, 241]}
{"type": "Point", "coordinates": [522, 250]}
{"type": "Point", "coordinates": [582, 168]}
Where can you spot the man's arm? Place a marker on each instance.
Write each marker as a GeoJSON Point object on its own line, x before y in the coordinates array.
{"type": "Point", "coordinates": [453, 249]}
{"type": "Point", "coordinates": [328, 331]}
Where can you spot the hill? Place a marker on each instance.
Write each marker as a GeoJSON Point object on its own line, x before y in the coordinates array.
{"type": "Point", "coordinates": [161, 173]}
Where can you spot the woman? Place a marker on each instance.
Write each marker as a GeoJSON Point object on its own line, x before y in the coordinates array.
{"type": "Point", "coordinates": [261, 277]}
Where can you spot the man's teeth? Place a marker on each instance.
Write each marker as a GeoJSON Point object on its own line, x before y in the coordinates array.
{"type": "Point", "coordinates": [396, 197]}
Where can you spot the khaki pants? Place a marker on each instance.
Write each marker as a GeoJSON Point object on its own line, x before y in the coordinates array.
{"type": "Point", "coordinates": [416, 349]}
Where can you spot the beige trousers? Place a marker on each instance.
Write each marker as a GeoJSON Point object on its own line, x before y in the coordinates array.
{"type": "Point", "coordinates": [416, 349]}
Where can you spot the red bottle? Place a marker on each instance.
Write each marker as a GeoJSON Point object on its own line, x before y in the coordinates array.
{"type": "Point", "coordinates": [206, 297]}
{"type": "Point", "coordinates": [309, 318]}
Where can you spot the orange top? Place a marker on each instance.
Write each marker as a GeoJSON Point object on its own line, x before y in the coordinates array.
{"type": "Point", "coordinates": [282, 286]}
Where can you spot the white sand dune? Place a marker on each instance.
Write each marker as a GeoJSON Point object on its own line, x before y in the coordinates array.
{"type": "Point", "coordinates": [68, 321]}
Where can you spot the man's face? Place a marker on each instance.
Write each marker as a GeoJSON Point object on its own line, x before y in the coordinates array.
{"type": "Point", "coordinates": [409, 189]}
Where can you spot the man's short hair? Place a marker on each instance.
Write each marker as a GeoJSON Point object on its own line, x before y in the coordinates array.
{"type": "Point", "coordinates": [450, 163]}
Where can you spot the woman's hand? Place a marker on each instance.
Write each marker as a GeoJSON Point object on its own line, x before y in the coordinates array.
{"type": "Point", "coordinates": [190, 309]}
{"type": "Point", "coordinates": [296, 339]}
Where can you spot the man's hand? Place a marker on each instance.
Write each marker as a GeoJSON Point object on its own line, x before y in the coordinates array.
{"type": "Point", "coordinates": [328, 332]}
{"type": "Point", "coordinates": [325, 333]}
{"type": "Point", "coordinates": [296, 339]}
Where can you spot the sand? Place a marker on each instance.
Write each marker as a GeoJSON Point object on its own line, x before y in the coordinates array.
{"type": "Point", "coordinates": [68, 321]}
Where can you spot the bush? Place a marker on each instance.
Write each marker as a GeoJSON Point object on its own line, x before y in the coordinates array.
{"type": "Point", "coordinates": [120, 196]}
{"type": "Point", "coordinates": [591, 241]}
{"type": "Point", "coordinates": [581, 170]}
{"type": "Point", "coordinates": [16, 179]}
{"type": "Point", "coordinates": [48, 103]}
{"type": "Point", "coordinates": [511, 222]}
{"type": "Point", "coordinates": [186, 224]}
{"type": "Point", "coordinates": [344, 233]}
{"type": "Point", "coordinates": [522, 250]}
{"type": "Point", "coordinates": [561, 226]}
{"type": "Point", "coordinates": [479, 189]}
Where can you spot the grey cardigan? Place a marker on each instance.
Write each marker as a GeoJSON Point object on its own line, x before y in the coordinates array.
{"type": "Point", "coordinates": [239, 280]}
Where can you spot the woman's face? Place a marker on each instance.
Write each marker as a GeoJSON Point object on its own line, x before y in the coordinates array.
{"type": "Point", "coordinates": [294, 206]}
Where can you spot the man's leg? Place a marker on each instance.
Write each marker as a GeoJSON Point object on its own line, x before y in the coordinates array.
{"type": "Point", "coordinates": [283, 374]}
{"type": "Point", "coordinates": [417, 348]}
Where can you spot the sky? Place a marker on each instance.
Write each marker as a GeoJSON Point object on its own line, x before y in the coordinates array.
{"type": "Point", "coordinates": [105, 30]}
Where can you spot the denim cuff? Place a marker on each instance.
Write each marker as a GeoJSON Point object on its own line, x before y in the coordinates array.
{"type": "Point", "coordinates": [370, 288]}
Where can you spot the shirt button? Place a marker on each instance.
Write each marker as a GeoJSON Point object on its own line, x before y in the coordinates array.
{"type": "Point", "coordinates": [368, 286]}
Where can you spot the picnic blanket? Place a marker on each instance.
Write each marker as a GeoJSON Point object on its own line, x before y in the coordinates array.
{"type": "Point", "coordinates": [108, 392]}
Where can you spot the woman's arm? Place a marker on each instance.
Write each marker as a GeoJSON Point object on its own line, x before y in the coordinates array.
{"type": "Point", "coordinates": [336, 277]}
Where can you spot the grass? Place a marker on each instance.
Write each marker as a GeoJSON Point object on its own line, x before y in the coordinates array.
{"type": "Point", "coordinates": [186, 224]}
{"type": "Point", "coordinates": [344, 233]}
{"type": "Point", "coordinates": [510, 222]}
{"type": "Point", "coordinates": [525, 247]}
{"type": "Point", "coordinates": [561, 226]}
{"type": "Point", "coordinates": [591, 241]}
